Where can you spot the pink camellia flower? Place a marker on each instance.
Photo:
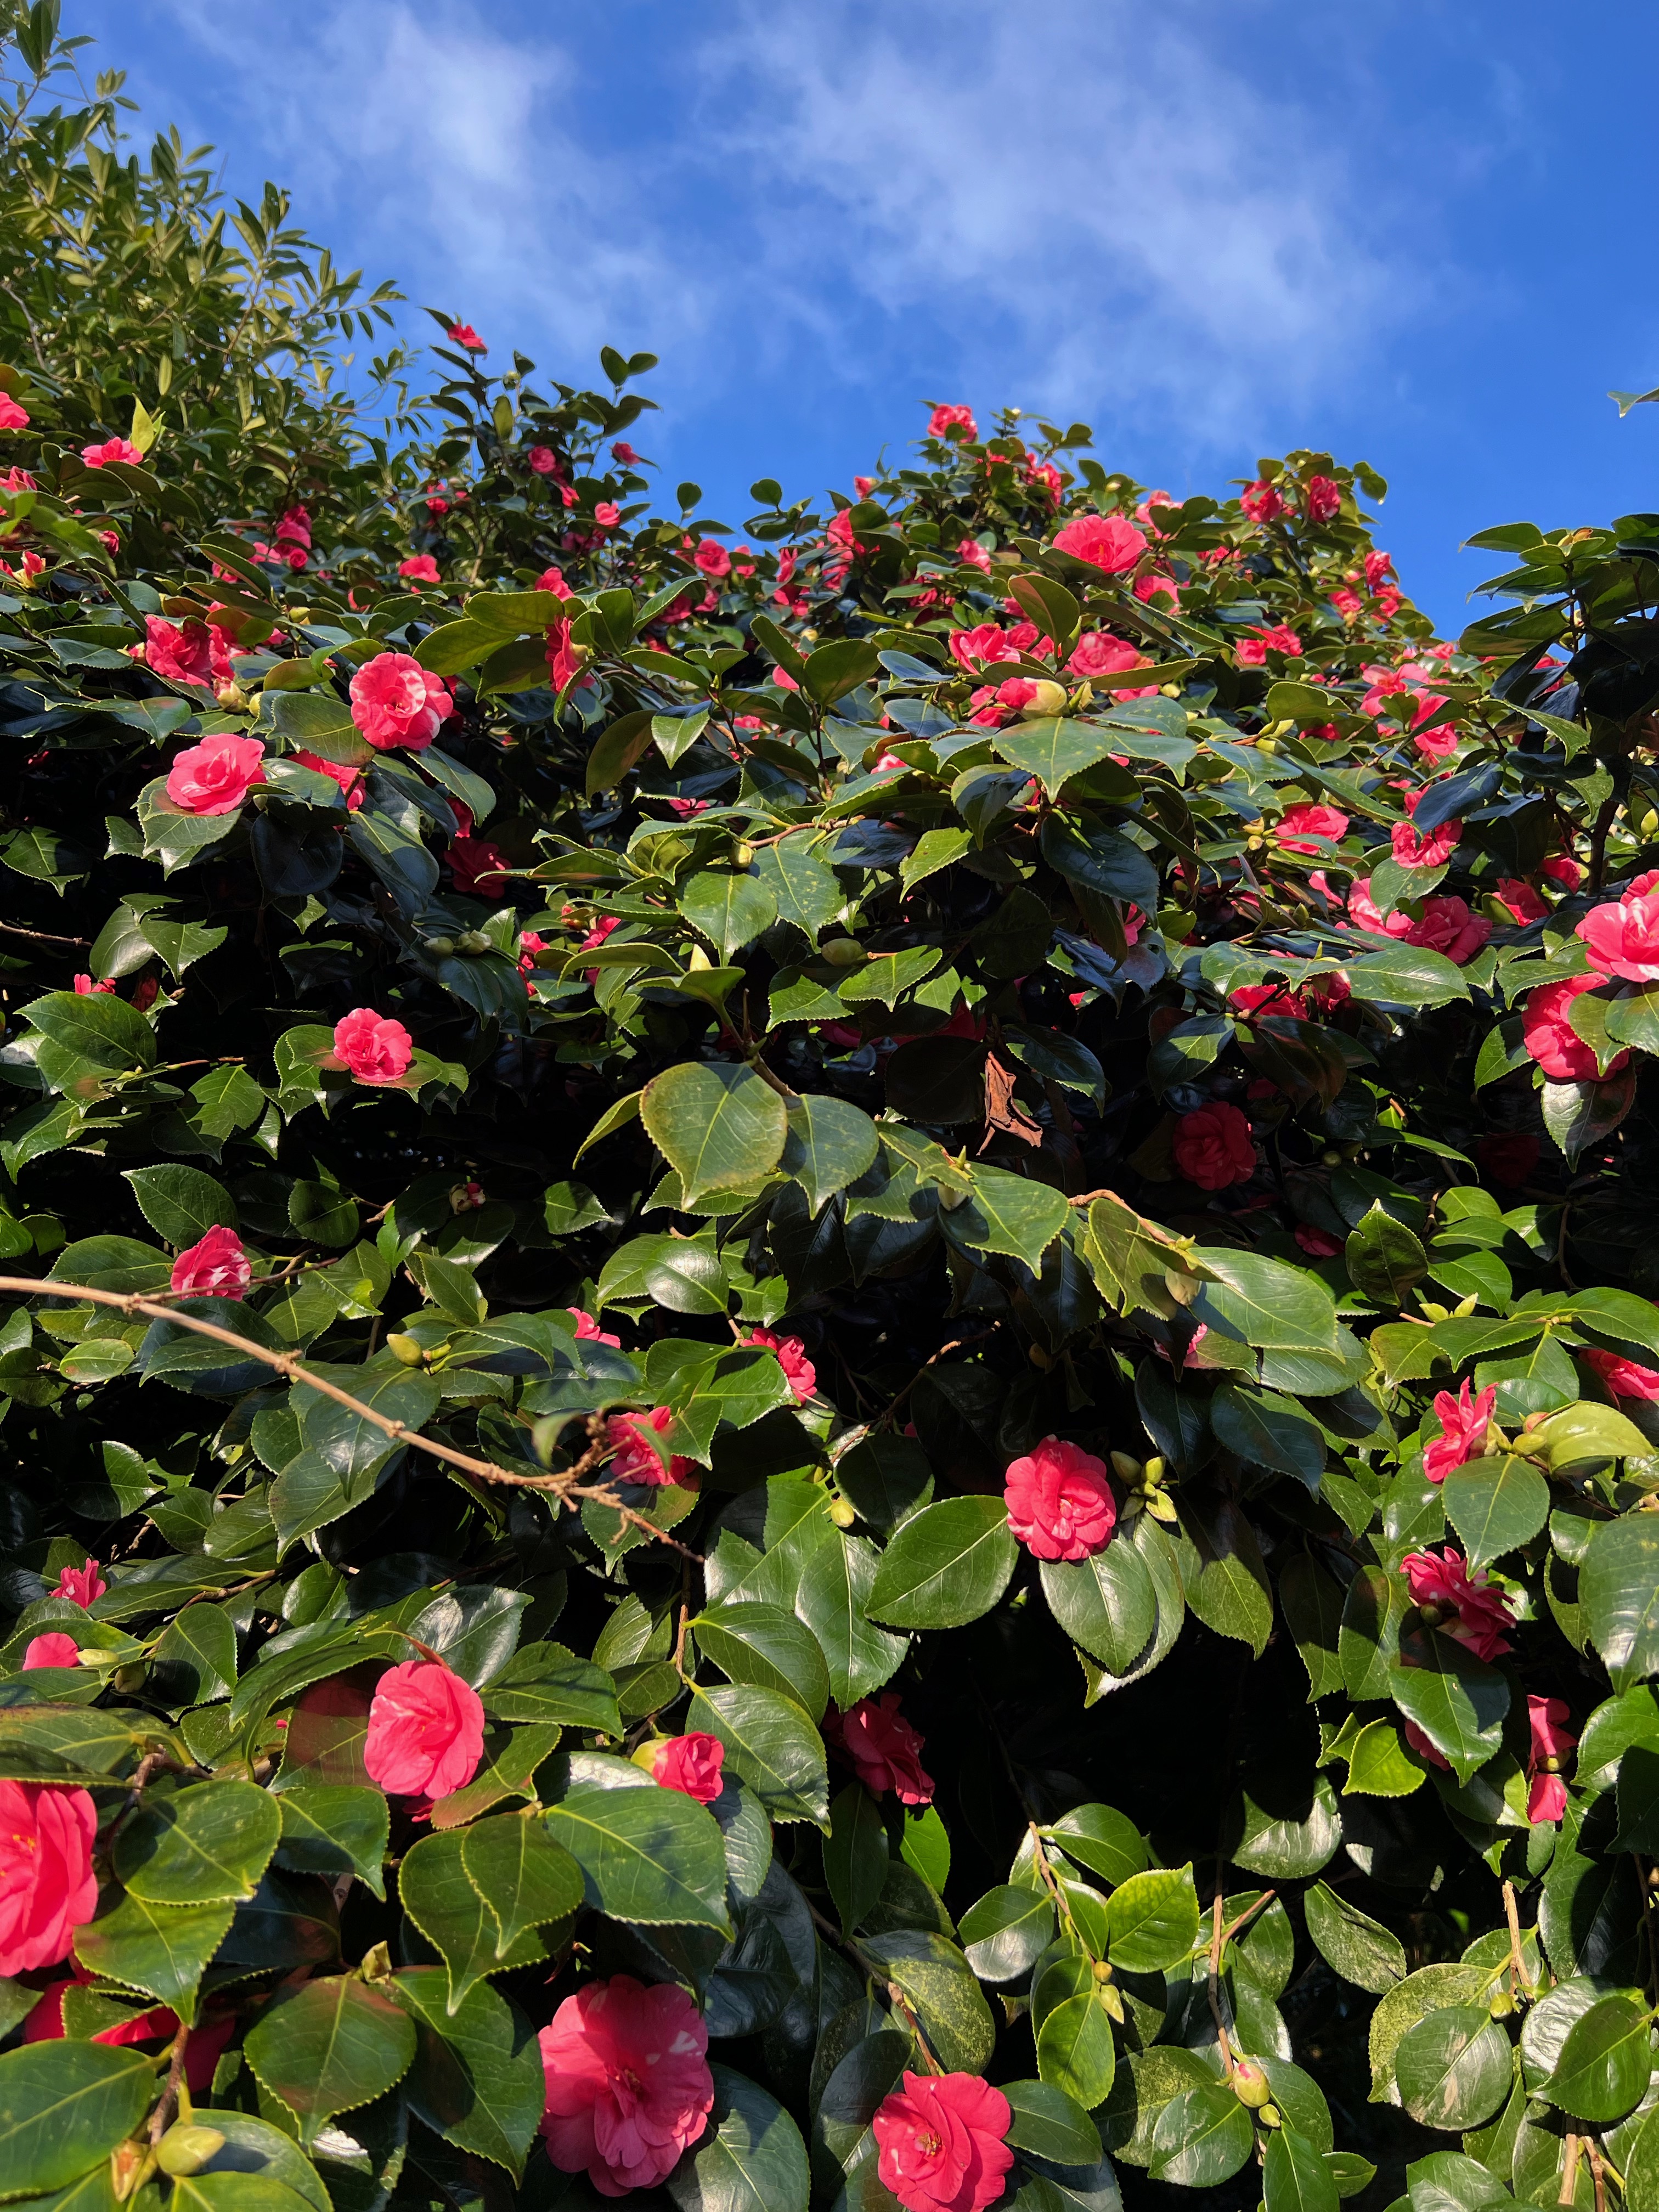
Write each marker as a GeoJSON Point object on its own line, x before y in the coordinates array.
{"type": "Point", "coordinates": [55, 1649]}
{"type": "Point", "coordinates": [881, 1748]}
{"type": "Point", "coordinates": [293, 526]}
{"type": "Point", "coordinates": [419, 568]}
{"type": "Point", "coordinates": [799, 1371]}
{"type": "Point", "coordinates": [112, 449]}
{"type": "Point", "coordinates": [1059, 1502]}
{"type": "Point", "coordinates": [178, 654]}
{"type": "Point", "coordinates": [463, 334]}
{"type": "Point", "coordinates": [12, 417]}
{"type": "Point", "coordinates": [1253, 650]}
{"type": "Point", "coordinates": [588, 1330]}
{"type": "Point", "coordinates": [1299, 825]}
{"type": "Point", "coordinates": [1261, 502]}
{"type": "Point", "coordinates": [1560, 869]}
{"type": "Point", "coordinates": [81, 1585]}
{"type": "Point", "coordinates": [943, 420]}
{"type": "Point", "coordinates": [1623, 939]}
{"type": "Point", "coordinates": [1624, 1377]}
{"type": "Point", "coordinates": [394, 701]}
{"type": "Point", "coordinates": [1546, 1796]}
{"type": "Point", "coordinates": [1110, 542]}
{"type": "Point", "coordinates": [20, 480]}
{"type": "Point", "coordinates": [375, 1048]}
{"type": "Point", "coordinates": [544, 460]}
{"type": "Point", "coordinates": [86, 988]}
{"type": "Point", "coordinates": [987, 641]}
{"type": "Point", "coordinates": [712, 558]}
{"type": "Point", "coordinates": [1550, 1037]}
{"type": "Point", "coordinates": [1214, 1146]}
{"type": "Point", "coordinates": [623, 452]}
{"type": "Point", "coordinates": [1417, 848]}
{"type": "Point", "coordinates": [1420, 1743]}
{"type": "Point", "coordinates": [1263, 999]}
{"type": "Point", "coordinates": [1525, 903]}
{"type": "Point", "coordinates": [1442, 1583]}
{"type": "Point", "coordinates": [629, 2089]}
{"type": "Point", "coordinates": [1316, 1243]}
{"type": "Point", "coordinates": [691, 1764]}
{"type": "Point", "coordinates": [552, 579]}
{"type": "Point", "coordinates": [1324, 499]}
{"type": "Point", "coordinates": [635, 1460]}
{"type": "Point", "coordinates": [939, 2142]}
{"type": "Point", "coordinates": [973, 554]}
{"type": "Point", "coordinates": [214, 1267]}
{"type": "Point", "coordinates": [216, 776]}
{"type": "Point", "coordinates": [1446, 926]}
{"type": "Point", "coordinates": [350, 779]}
{"type": "Point", "coordinates": [1463, 1424]}
{"type": "Point", "coordinates": [607, 514]}
{"type": "Point", "coordinates": [1097, 652]}
{"type": "Point", "coordinates": [47, 1887]}
{"type": "Point", "coordinates": [1378, 566]}
{"type": "Point", "coordinates": [426, 1731]}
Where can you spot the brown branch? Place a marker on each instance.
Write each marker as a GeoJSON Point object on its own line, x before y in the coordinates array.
{"type": "Point", "coordinates": [1598, 2175]}
{"type": "Point", "coordinates": [1519, 1980]}
{"type": "Point", "coordinates": [161, 2118]}
{"type": "Point", "coordinates": [43, 936]}
{"type": "Point", "coordinates": [1212, 1982]}
{"type": "Point", "coordinates": [565, 1486]}
{"type": "Point", "coordinates": [877, 1973]}
{"type": "Point", "coordinates": [1569, 2170]}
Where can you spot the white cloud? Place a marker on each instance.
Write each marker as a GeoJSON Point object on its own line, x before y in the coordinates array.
{"type": "Point", "coordinates": [1087, 202]}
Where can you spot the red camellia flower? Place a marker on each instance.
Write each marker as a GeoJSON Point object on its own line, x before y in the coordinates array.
{"type": "Point", "coordinates": [1260, 501]}
{"type": "Point", "coordinates": [607, 514]}
{"type": "Point", "coordinates": [47, 1887]}
{"type": "Point", "coordinates": [943, 420]}
{"type": "Point", "coordinates": [882, 1748]}
{"type": "Point", "coordinates": [112, 449]}
{"type": "Point", "coordinates": [1097, 652]}
{"type": "Point", "coordinates": [1550, 1037]}
{"type": "Point", "coordinates": [628, 2087]}
{"type": "Point", "coordinates": [81, 1585]}
{"type": "Point", "coordinates": [1443, 1581]}
{"type": "Point", "coordinates": [1060, 1504]}
{"type": "Point", "coordinates": [1561, 870]}
{"type": "Point", "coordinates": [1213, 1147]}
{"type": "Point", "coordinates": [1324, 499]}
{"type": "Point", "coordinates": [1418, 848]}
{"type": "Point", "coordinates": [374, 1047]}
{"type": "Point", "coordinates": [799, 1371]}
{"type": "Point", "coordinates": [692, 1764]}
{"type": "Point", "coordinates": [426, 1731]}
{"type": "Point", "coordinates": [635, 1460]}
{"type": "Point", "coordinates": [419, 568]}
{"type": "Point", "coordinates": [1316, 1243]}
{"type": "Point", "coordinates": [712, 558]}
{"type": "Point", "coordinates": [1522, 900]}
{"type": "Point", "coordinates": [543, 459]}
{"type": "Point", "coordinates": [1624, 1377]}
{"type": "Point", "coordinates": [1253, 651]}
{"type": "Point", "coordinates": [972, 648]}
{"type": "Point", "coordinates": [12, 417]}
{"type": "Point", "coordinates": [216, 776]}
{"type": "Point", "coordinates": [350, 779]}
{"type": "Point", "coordinates": [1110, 542]}
{"type": "Point", "coordinates": [463, 334]}
{"type": "Point", "coordinates": [477, 864]}
{"type": "Point", "coordinates": [623, 452]}
{"type": "Point", "coordinates": [394, 701]}
{"type": "Point", "coordinates": [588, 1330]}
{"type": "Point", "coordinates": [939, 2145]}
{"type": "Point", "coordinates": [1546, 1796]}
{"type": "Point", "coordinates": [179, 655]}
{"type": "Point", "coordinates": [1299, 825]}
{"type": "Point", "coordinates": [216, 1268]}
{"type": "Point", "coordinates": [1446, 924]}
{"type": "Point", "coordinates": [1463, 1424]}
{"type": "Point", "coordinates": [1623, 939]}
{"type": "Point", "coordinates": [203, 2045]}
{"type": "Point", "coordinates": [55, 1649]}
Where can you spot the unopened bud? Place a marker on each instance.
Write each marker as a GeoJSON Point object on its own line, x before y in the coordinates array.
{"type": "Point", "coordinates": [1251, 2085]}
{"type": "Point", "coordinates": [1101, 1970]}
{"type": "Point", "coordinates": [1431, 1615]}
{"type": "Point", "coordinates": [473, 940]}
{"type": "Point", "coordinates": [1039, 1359]}
{"type": "Point", "coordinates": [841, 952]}
{"type": "Point", "coordinates": [1125, 1469]}
{"type": "Point", "coordinates": [697, 959]}
{"type": "Point", "coordinates": [1161, 1506]}
{"type": "Point", "coordinates": [443, 946]}
{"type": "Point", "coordinates": [842, 1512]}
{"type": "Point", "coordinates": [1153, 1471]}
{"type": "Point", "coordinates": [1465, 1307]}
{"type": "Point", "coordinates": [1270, 2116]}
{"type": "Point", "coordinates": [405, 1349]}
{"type": "Point", "coordinates": [186, 2148]}
{"type": "Point", "coordinates": [90, 1655]}
{"type": "Point", "coordinates": [1500, 2005]}
{"type": "Point", "coordinates": [1047, 698]}
{"type": "Point", "coordinates": [745, 853]}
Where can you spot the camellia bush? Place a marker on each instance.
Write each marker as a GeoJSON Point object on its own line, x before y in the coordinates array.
{"type": "Point", "coordinates": [830, 1361]}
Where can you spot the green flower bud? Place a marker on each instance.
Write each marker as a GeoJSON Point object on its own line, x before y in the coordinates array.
{"type": "Point", "coordinates": [187, 2148]}
{"type": "Point", "coordinates": [405, 1349]}
{"type": "Point", "coordinates": [1251, 2085]}
{"type": "Point", "coordinates": [841, 952]}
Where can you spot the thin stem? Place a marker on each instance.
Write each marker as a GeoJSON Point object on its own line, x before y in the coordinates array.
{"type": "Point", "coordinates": [161, 2118]}
{"type": "Point", "coordinates": [1569, 2170]}
{"type": "Point", "coordinates": [1517, 1965]}
{"type": "Point", "coordinates": [896, 1996]}
{"type": "Point", "coordinates": [1212, 1982]}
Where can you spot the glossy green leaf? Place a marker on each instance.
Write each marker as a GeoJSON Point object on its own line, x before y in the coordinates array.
{"type": "Point", "coordinates": [328, 2046]}
{"type": "Point", "coordinates": [64, 2108]}
{"type": "Point", "coordinates": [946, 1566]}
{"type": "Point", "coordinates": [716, 1126]}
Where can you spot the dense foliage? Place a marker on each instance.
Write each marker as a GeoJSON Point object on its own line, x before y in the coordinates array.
{"type": "Point", "coordinates": [830, 1367]}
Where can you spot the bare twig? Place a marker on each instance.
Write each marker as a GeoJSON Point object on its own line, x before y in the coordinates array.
{"type": "Point", "coordinates": [1598, 2175]}
{"type": "Point", "coordinates": [161, 2118]}
{"type": "Point", "coordinates": [957, 1344]}
{"type": "Point", "coordinates": [1569, 2170]}
{"type": "Point", "coordinates": [895, 1997]}
{"type": "Point", "coordinates": [1519, 1980]}
{"type": "Point", "coordinates": [1212, 1982]}
{"type": "Point", "coordinates": [566, 1486]}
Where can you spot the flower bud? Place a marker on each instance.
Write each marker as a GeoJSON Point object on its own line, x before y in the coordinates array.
{"type": "Point", "coordinates": [1125, 1469]}
{"type": "Point", "coordinates": [90, 1655]}
{"type": "Point", "coordinates": [186, 2148]}
{"type": "Point", "coordinates": [1270, 2116]}
{"type": "Point", "coordinates": [841, 952]}
{"type": "Point", "coordinates": [1251, 2085]}
{"type": "Point", "coordinates": [405, 1349]}
{"type": "Point", "coordinates": [443, 946]}
{"type": "Point", "coordinates": [1153, 1471]}
{"type": "Point", "coordinates": [473, 940]}
{"type": "Point", "coordinates": [1047, 698]}
{"type": "Point", "coordinates": [1500, 2004]}
{"type": "Point", "coordinates": [842, 1512]}
{"type": "Point", "coordinates": [745, 853]}
{"type": "Point", "coordinates": [1161, 1506]}
{"type": "Point", "coordinates": [1101, 1970]}
{"type": "Point", "coordinates": [1039, 1359]}
{"type": "Point", "coordinates": [696, 960]}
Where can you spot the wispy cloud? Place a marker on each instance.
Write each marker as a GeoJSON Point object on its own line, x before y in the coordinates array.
{"type": "Point", "coordinates": [1081, 195]}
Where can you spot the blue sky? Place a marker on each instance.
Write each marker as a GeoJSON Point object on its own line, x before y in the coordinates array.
{"type": "Point", "coordinates": [1418, 234]}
